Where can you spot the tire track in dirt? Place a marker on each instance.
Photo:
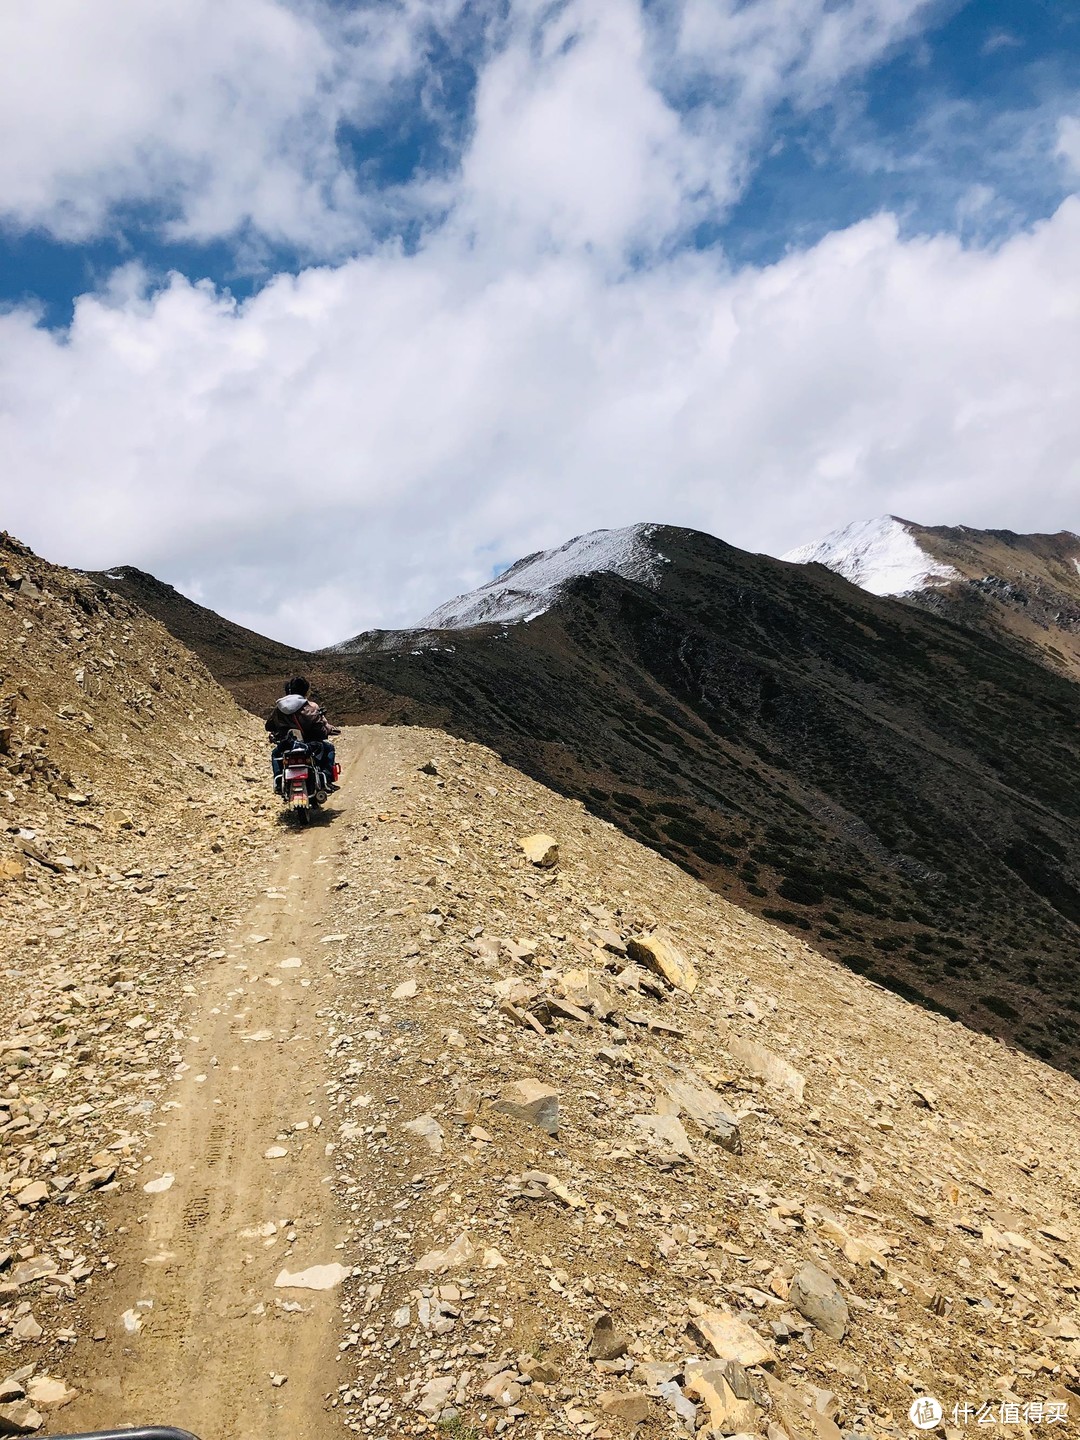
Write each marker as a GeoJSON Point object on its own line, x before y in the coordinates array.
{"type": "Point", "coordinates": [200, 1262]}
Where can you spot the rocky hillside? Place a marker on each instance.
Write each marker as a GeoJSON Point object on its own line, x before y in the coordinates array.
{"type": "Point", "coordinates": [126, 779]}
{"type": "Point", "coordinates": [247, 663]}
{"type": "Point", "coordinates": [1022, 589]}
{"type": "Point", "coordinates": [899, 789]}
{"type": "Point", "coordinates": [464, 1112]}
{"type": "Point", "coordinates": [575, 1147]}
{"type": "Point", "coordinates": [893, 786]}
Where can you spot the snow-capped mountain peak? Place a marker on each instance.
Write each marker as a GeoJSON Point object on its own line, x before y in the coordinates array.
{"type": "Point", "coordinates": [532, 585]}
{"type": "Point", "coordinates": [883, 556]}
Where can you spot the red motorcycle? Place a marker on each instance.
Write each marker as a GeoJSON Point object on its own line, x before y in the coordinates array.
{"type": "Point", "coordinates": [304, 781]}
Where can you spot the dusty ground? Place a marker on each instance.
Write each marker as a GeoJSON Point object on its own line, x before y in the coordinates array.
{"type": "Point", "coordinates": [231, 1052]}
{"type": "Point", "coordinates": [213, 1332]}
{"type": "Point", "coordinates": [931, 1173]}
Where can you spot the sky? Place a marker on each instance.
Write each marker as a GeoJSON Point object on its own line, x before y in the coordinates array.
{"type": "Point", "coordinates": [324, 312]}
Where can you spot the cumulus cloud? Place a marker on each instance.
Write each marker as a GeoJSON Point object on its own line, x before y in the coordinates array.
{"type": "Point", "coordinates": [211, 115]}
{"type": "Point", "coordinates": [359, 441]}
{"type": "Point", "coordinates": [208, 118]}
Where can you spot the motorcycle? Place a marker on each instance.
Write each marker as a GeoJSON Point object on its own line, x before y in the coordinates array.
{"type": "Point", "coordinates": [303, 782]}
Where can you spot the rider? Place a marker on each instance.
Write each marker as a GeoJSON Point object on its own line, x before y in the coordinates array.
{"type": "Point", "coordinates": [287, 715]}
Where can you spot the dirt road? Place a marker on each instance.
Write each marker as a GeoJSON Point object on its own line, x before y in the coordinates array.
{"type": "Point", "coordinates": [250, 1194]}
{"type": "Point", "coordinates": [481, 1247]}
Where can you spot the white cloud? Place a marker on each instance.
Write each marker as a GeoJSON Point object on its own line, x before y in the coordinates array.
{"type": "Point", "coordinates": [219, 113]}
{"type": "Point", "coordinates": [214, 118]}
{"type": "Point", "coordinates": [573, 145]}
{"type": "Point", "coordinates": [360, 441]}
{"type": "Point", "coordinates": [333, 453]}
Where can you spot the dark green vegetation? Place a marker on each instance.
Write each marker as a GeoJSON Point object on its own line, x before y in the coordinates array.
{"type": "Point", "coordinates": [900, 791]}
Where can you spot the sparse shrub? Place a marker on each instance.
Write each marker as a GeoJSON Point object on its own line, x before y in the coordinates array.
{"type": "Point", "coordinates": [787, 917]}
{"type": "Point", "coordinates": [800, 892]}
{"type": "Point", "coordinates": [1001, 1007]}
{"type": "Point", "coordinates": [859, 963]}
{"type": "Point", "coordinates": [672, 808]}
{"type": "Point", "coordinates": [714, 855]}
{"type": "Point", "coordinates": [625, 801]}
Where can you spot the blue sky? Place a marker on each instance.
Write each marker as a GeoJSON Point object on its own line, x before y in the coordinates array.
{"type": "Point", "coordinates": [476, 277]}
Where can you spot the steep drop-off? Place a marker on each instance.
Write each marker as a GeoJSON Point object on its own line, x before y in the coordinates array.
{"type": "Point", "coordinates": [899, 788]}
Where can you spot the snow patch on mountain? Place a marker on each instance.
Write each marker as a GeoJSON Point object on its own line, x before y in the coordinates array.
{"type": "Point", "coordinates": [532, 585]}
{"type": "Point", "coordinates": [881, 556]}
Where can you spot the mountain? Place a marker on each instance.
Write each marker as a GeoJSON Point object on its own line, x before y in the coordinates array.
{"type": "Point", "coordinates": [896, 787]}
{"type": "Point", "coordinates": [243, 661]}
{"type": "Point", "coordinates": [528, 588]}
{"type": "Point", "coordinates": [884, 556]}
{"type": "Point", "coordinates": [429, 1130]}
{"type": "Point", "coordinates": [899, 789]}
{"type": "Point", "coordinates": [1021, 588]}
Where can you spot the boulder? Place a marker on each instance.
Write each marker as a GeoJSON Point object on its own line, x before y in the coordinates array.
{"type": "Point", "coordinates": [658, 953]}
{"type": "Point", "coordinates": [435, 1395]}
{"type": "Point", "coordinates": [46, 1393]}
{"type": "Point", "coordinates": [34, 1194]}
{"type": "Point", "coordinates": [765, 1064]}
{"type": "Point", "coordinates": [606, 1343]}
{"type": "Point", "coordinates": [667, 1133]}
{"type": "Point", "coordinates": [631, 1406]}
{"type": "Point", "coordinates": [504, 1389]}
{"type": "Point", "coordinates": [533, 1102]}
{"type": "Point", "coordinates": [459, 1252]}
{"type": "Point", "coordinates": [429, 1130]}
{"type": "Point", "coordinates": [315, 1277]}
{"type": "Point", "coordinates": [728, 1337]}
{"type": "Point", "coordinates": [36, 1268]}
{"type": "Point", "coordinates": [708, 1111]}
{"type": "Point", "coordinates": [19, 1418]}
{"type": "Point", "coordinates": [794, 1405]}
{"type": "Point", "coordinates": [540, 850]}
{"type": "Point", "coordinates": [728, 1414]}
{"type": "Point", "coordinates": [818, 1299]}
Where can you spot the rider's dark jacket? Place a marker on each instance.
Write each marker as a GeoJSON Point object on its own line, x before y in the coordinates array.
{"type": "Point", "coordinates": [310, 718]}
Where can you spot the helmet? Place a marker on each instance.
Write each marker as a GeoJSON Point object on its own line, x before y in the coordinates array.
{"type": "Point", "coordinates": [290, 704]}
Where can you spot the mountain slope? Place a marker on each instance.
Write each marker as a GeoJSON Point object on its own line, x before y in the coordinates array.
{"type": "Point", "coordinates": [232, 653]}
{"type": "Point", "coordinates": [268, 1154]}
{"type": "Point", "coordinates": [898, 788]}
{"type": "Point", "coordinates": [531, 586]}
{"type": "Point", "coordinates": [1020, 588]}
{"type": "Point", "coordinates": [883, 556]}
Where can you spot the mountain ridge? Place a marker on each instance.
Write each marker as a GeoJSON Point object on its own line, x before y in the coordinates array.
{"type": "Point", "coordinates": [1023, 589]}
{"type": "Point", "coordinates": [452, 1123]}
{"type": "Point", "coordinates": [843, 764]}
